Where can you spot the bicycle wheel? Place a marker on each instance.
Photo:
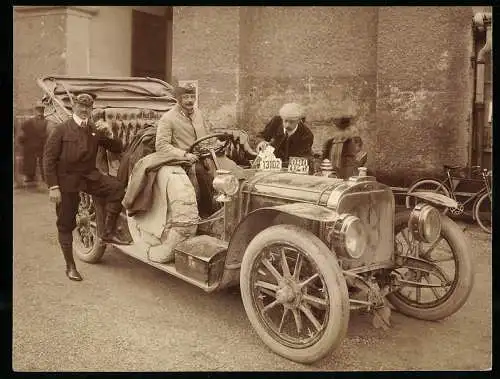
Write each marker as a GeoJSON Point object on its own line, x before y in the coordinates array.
{"type": "Point", "coordinates": [482, 212]}
{"type": "Point", "coordinates": [426, 185]}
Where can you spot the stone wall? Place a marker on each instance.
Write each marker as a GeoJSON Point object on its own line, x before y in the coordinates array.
{"type": "Point", "coordinates": [206, 48]}
{"type": "Point", "coordinates": [404, 73]}
{"type": "Point", "coordinates": [111, 42]}
{"type": "Point", "coordinates": [322, 57]}
{"type": "Point", "coordinates": [58, 40]}
{"type": "Point", "coordinates": [38, 48]}
{"type": "Point", "coordinates": [424, 103]}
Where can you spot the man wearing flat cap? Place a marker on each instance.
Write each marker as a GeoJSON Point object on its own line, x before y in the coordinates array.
{"type": "Point", "coordinates": [288, 134]}
{"type": "Point", "coordinates": [177, 130]}
{"type": "Point", "coordinates": [70, 168]}
{"type": "Point", "coordinates": [32, 138]}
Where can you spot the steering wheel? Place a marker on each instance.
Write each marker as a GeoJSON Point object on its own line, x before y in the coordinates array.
{"type": "Point", "coordinates": [206, 151]}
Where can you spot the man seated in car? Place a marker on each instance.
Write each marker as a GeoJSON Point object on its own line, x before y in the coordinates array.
{"type": "Point", "coordinates": [176, 132]}
{"type": "Point", "coordinates": [288, 134]}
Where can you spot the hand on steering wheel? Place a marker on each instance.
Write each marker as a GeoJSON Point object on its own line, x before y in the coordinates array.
{"type": "Point", "coordinates": [191, 157]}
{"type": "Point", "coordinates": [207, 149]}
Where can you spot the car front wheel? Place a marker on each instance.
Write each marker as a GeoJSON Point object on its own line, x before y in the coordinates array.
{"type": "Point", "coordinates": [294, 293]}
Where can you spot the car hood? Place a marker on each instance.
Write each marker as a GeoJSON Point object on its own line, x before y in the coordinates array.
{"type": "Point", "coordinates": [288, 187]}
{"type": "Point", "coordinates": [112, 92]}
{"type": "Point", "coordinates": [294, 187]}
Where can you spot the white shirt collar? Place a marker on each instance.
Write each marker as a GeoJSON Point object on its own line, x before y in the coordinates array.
{"type": "Point", "coordinates": [78, 120]}
{"type": "Point", "coordinates": [290, 133]}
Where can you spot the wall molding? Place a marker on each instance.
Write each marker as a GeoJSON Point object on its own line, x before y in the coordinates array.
{"type": "Point", "coordinates": [30, 10]}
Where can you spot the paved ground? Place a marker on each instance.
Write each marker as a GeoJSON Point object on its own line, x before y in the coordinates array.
{"type": "Point", "coordinates": [127, 316]}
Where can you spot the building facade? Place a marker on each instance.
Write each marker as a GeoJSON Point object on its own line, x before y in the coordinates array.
{"type": "Point", "coordinates": [409, 76]}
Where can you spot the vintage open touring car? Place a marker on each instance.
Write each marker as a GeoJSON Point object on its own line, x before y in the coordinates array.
{"type": "Point", "coordinates": [305, 248]}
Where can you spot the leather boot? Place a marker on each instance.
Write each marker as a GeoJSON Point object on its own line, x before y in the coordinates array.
{"type": "Point", "coordinates": [109, 230]}
{"type": "Point", "coordinates": [71, 271]}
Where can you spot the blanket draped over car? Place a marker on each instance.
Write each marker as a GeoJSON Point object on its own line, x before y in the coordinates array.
{"type": "Point", "coordinates": [172, 217]}
{"type": "Point", "coordinates": [138, 196]}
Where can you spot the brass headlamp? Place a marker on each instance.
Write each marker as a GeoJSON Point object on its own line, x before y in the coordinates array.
{"type": "Point", "coordinates": [425, 223]}
{"type": "Point", "coordinates": [348, 236]}
{"type": "Point", "coordinates": [225, 184]}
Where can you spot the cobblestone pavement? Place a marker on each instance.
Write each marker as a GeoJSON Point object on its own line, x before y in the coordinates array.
{"type": "Point", "coordinates": [126, 316]}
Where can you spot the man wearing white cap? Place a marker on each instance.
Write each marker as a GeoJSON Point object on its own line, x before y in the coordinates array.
{"type": "Point", "coordinates": [288, 134]}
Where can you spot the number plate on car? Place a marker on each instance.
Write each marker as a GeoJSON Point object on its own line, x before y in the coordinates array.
{"type": "Point", "coordinates": [270, 164]}
{"type": "Point", "coordinates": [298, 165]}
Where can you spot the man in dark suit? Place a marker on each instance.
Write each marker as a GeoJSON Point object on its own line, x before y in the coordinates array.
{"type": "Point", "coordinates": [70, 167]}
{"type": "Point", "coordinates": [288, 134]}
{"type": "Point", "coordinates": [32, 137]}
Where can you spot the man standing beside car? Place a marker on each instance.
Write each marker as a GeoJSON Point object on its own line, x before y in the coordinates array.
{"type": "Point", "coordinates": [288, 134]}
{"type": "Point", "coordinates": [70, 168]}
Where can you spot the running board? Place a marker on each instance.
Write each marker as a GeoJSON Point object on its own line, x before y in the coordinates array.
{"type": "Point", "coordinates": [140, 253]}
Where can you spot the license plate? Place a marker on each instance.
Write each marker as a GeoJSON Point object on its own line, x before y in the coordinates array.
{"type": "Point", "coordinates": [298, 165]}
{"type": "Point", "coordinates": [270, 164]}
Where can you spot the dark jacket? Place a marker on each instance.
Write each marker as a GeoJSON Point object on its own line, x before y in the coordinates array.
{"type": "Point", "coordinates": [141, 145]}
{"type": "Point", "coordinates": [33, 134]}
{"type": "Point", "coordinates": [345, 152]}
{"type": "Point", "coordinates": [299, 144]}
{"type": "Point", "coordinates": [70, 155]}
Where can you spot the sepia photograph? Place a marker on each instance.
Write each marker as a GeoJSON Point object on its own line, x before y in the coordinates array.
{"type": "Point", "coordinates": [252, 188]}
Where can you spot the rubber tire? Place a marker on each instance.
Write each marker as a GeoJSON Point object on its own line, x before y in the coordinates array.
{"type": "Point", "coordinates": [484, 197]}
{"type": "Point", "coordinates": [455, 237]}
{"type": "Point", "coordinates": [334, 280]}
{"type": "Point", "coordinates": [92, 255]}
{"type": "Point", "coordinates": [429, 181]}
{"type": "Point", "coordinates": [95, 253]}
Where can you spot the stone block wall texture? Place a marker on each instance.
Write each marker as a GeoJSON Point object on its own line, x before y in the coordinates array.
{"type": "Point", "coordinates": [404, 73]}
{"type": "Point", "coordinates": [206, 48]}
{"type": "Point", "coordinates": [38, 48]}
{"type": "Point", "coordinates": [321, 57]}
{"type": "Point", "coordinates": [66, 41]}
{"type": "Point", "coordinates": [111, 42]}
{"type": "Point", "coordinates": [78, 43]}
{"type": "Point", "coordinates": [424, 103]}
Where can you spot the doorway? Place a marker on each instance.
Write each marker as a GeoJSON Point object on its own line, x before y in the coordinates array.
{"type": "Point", "coordinates": [152, 42]}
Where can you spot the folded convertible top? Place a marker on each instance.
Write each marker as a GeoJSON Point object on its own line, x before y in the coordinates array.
{"type": "Point", "coordinates": [131, 92]}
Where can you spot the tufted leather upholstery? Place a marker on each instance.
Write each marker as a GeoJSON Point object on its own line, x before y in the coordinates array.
{"type": "Point", "coordinates": [125, 122]}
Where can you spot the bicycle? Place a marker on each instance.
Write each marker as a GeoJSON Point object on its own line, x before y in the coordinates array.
{"type": "Point", "coordinates": [481, 208]}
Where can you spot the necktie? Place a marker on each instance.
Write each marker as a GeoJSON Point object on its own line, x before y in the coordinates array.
{"type": "Point", "coordinates": [84, 124]}
{"type": "Point", "coordinates": [285, 146]}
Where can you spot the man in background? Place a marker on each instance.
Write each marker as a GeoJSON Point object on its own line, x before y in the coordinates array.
{"type": "Point", "coordinates": [32, 137]}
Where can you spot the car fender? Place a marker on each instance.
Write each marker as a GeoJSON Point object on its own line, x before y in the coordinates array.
{"type": "Point", "coordinates": [262, 218]}
{"type": "Point", "coordinates": [435, 198]}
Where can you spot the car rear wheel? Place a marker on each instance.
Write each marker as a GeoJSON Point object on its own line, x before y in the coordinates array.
{"type": "Point", "coordinates": [447, 285]}
{"type": "Point", "coordinates": [294, 293]}
{"type": "Point", "coordinates": [88, 246]}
